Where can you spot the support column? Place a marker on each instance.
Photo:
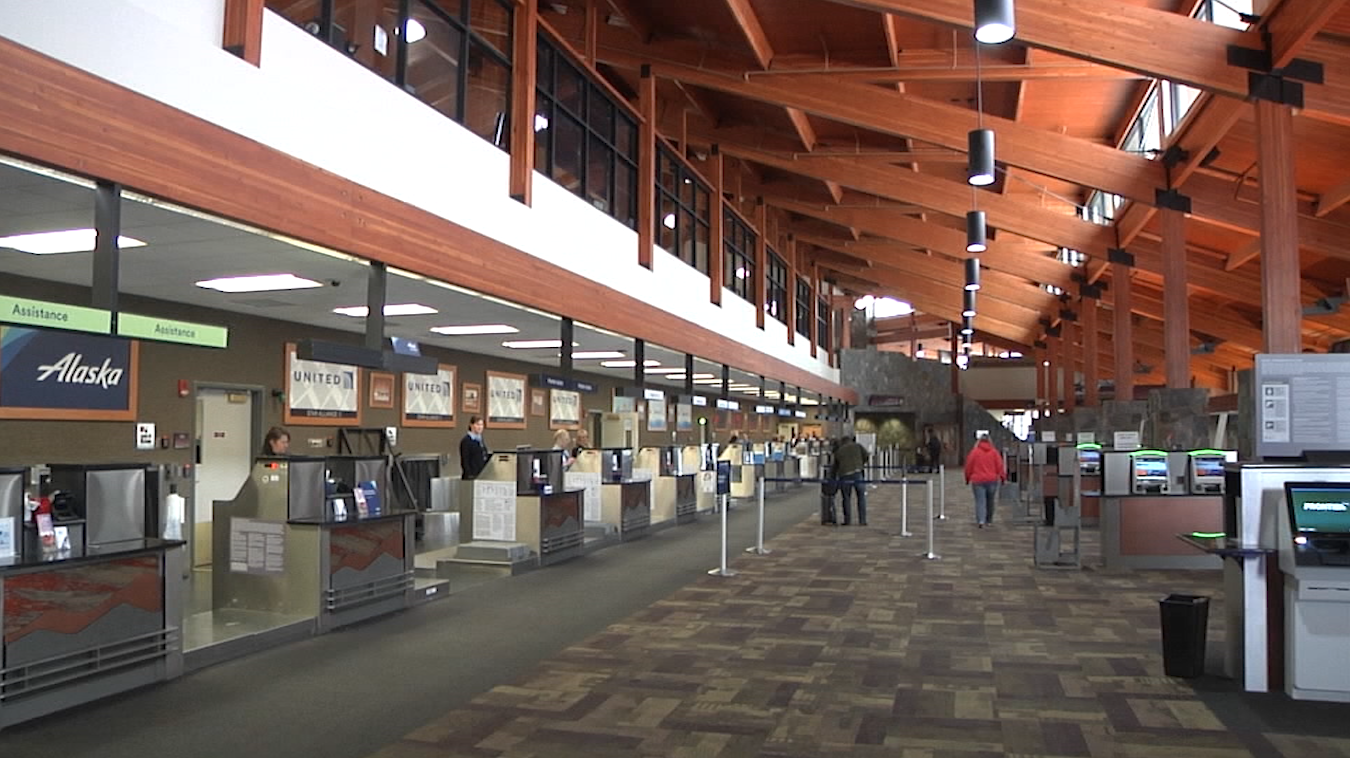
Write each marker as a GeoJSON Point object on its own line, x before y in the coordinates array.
{"type": "Point", "coordinates": [107, 253]}
{"type": "Point", "coordinates": [814, 329]}
{"type": "Point", "coordinates": [592, 31]}
{"type": "Point", "coordinates": [646, 175]}
{"type": "Point", "coordinates": [762, 261]}
{"type": "Point", "coordinates": [1069, 353]}
{"type": "Point", "coordinates": [243, 29]}
{"type": "Point", "coordinates": [688, 373]}
{"type": "Point", "coordinates": [639, 359]}
{"type": "Point", "coordinates": [1039, 356]}
{"type": "Point", "coordinates": [377, 288]}
{"type": "Point", "coordinates": [1176, 313]}
{"type": "Point", "coordinates": [1090, 369]}
{"type": "Point", "coordinates": [1281, 309]}
{"type": "Point", "coordinates": [1122, 331]}
{"type": "Point", "coordinates": [790, 311]}
{"type": "Point", "coordinates": [524, 30]}
{"type": "Point", "coordinates": [716, 235]}
{"type": "Point", "coordinates": [953, 339]}
{"type": "Point", "coordinates": [565, 332]}
{"type": "Point", "coordinates": [1052, 375]}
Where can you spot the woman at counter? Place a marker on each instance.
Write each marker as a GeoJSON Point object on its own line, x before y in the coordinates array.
{"type": "Point", "coordinates": [277, 442]}
{"type": "Point", "coordinates": [562, 440]}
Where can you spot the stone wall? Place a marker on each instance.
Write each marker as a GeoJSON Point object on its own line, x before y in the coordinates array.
{"type": "Point", "coordinates": [1178, 419]}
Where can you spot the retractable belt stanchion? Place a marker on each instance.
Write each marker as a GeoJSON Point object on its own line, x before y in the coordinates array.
{"type": "Point", "coordinates": [942, 493]}
{"type": "Point", "coordinates": [724, 497]}
{"type": "Point", "coordinates": [932, 527]}
{"type": "Point", "coordinates": [758, 548]}
{"type": "Point", "coordinates": [904, 509]}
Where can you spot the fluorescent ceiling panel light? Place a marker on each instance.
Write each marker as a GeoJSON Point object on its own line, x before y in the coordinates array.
{"type": "Point", "coordinates": [590, 355]}
{"type": "Point", "coordinates": [666, 370]}
{"type": "Point", "coordinates": [627, 364]}
{"type": "Point", "coordinates": [470, 329]}
{"type": "Point", "coordinates": [67, 241]}
{"type": "Point", "coordinates": [258, 283]}
{"type": "Point", "coordinates": [707, 381]}
{"type": "Point", "coordinates": [532, 344]}
{"type": "Point", "coordinates": [398, 309]}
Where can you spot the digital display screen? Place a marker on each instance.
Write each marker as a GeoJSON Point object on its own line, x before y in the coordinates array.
{"type": "Point", "coordinates": [1319, 507]}
{"type": "Point", "coordinates": [1205, 466]}
{"type": "Point", "coordinates": [1089, 457]}
{"type": "Point", "coordinates": [1150, 468]}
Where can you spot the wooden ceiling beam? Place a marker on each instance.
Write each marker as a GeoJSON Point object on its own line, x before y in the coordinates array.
{"type": "Point", "coordinates": [1243, 255]}
{"type": "Point", "coordinates": [633, 17]}
{"type": "Point", "coordinates": [904, 72]}
{"type": "Point", "coordinates": [900, 114]}
{"type": "Point", "coordinates": [933, 298]}
{"type": "Point", "coordinates": [1294, 23]}
{"type": "Point", "coordinates": [748, 22]}
{"type": "Point", "coordinates": [1332, 199]}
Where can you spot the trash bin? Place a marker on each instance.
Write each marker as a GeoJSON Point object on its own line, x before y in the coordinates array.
{"type": "Point", "coordinates": [1184, 618]}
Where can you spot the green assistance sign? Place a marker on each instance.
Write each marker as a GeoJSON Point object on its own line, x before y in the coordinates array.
{"type": "Point", "coordinates": [169, 330]}
{"type": "Point", "coordinates": [75, 318]}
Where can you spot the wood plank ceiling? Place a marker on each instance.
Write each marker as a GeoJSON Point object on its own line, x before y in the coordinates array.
{"type": "Point", "coordinates": [849, 120]}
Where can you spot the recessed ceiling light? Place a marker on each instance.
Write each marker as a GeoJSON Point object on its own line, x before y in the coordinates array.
{"type": "Point", "coordinates": [399, 309]}
{"type": "Point", "coordinates": [707, 381]}
{"type": "Point", "coordinates": [67, 241]}
{"type": "Point", "coordinates": [468, 329]}
{"type": "Point", "coordinates": [627, 364]}
{"type": "Point", "coordinates": [666, 370]}
{"type": "Point", "coordinates": [258, 283]}
{"type": "Point", "coordinates": [532, 343]}
{"type": "Point", "coordinates": [590, 355]}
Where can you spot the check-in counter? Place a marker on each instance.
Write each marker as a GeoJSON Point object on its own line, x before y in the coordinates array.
{"type": "Point", "coordinates": [1140, 531]}
{"type": "Point", "coordinates": [744, 471]}
{"type": "Point", "coordinates": [520, 499]}
{"type": "Point", "coordinates": [673, 499]}
{"type": "Point", "coordinates": [298, 543]}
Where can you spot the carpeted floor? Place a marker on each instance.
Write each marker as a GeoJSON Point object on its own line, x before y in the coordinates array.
{"type": "Point", "coordinates": [844, 642]}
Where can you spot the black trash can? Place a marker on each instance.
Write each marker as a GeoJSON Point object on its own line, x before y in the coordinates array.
{"type": "Point", "coordinates": [1184, 618]}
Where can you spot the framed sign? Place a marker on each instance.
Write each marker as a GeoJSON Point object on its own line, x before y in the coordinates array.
{"type": "Point", "coordinates": [538, 402]}
{"type": "Point", "coordinates": [49, 374]}
{"type": "Point", "coordinates": [505, 400]}
{"type": "Point", "coordinates": [381, 390]}
{"type": "Point", "coordinates": [656, 415]}
{"type": "Point", "coordinates": [564, 409]}
{"type": "Point", "coordinates": [429, 399]}
{"type": "Point", "coordinates": [321, 394]}
{"type": "Point", "coordinates": [472, 397]}
{"type": "Point", "coordinates": [684, 417]}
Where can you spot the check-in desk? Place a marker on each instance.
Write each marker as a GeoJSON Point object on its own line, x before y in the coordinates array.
{"type": "Point", "coordinates": [743, 469]}
{"type": "Point", "coordinates": [673, 499]}
{"type": "Point", "coordinates": [1149, 497]}
{"type": "Point", "coordinates": [297, 543]}
{"type": "Point", "coordinates": [519, 503]}
{"type": "Point", "coordinates": [625, 503]}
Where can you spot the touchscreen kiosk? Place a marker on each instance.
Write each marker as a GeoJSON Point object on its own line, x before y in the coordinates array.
{"type": "Point", "coordinates": [1206, 472]}
{"type": "Point", "coordinates": [1319, 522]}
{"type": "Point", "coordinates": [1148, 472]}
{"type": "Point", "coordinates": [1090, 459]}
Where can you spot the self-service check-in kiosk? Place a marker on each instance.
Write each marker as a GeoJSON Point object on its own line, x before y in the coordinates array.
{"type": "Point", "coordinates": [1147, 499]}
{"type": "Point", "coordinates": [1149, 473]}
{"type": "Point", "coordinates": [519, 510]}
{"type": "Point", "coordinates": [1205, 471]}
{"type": "Point", "coordinates": [673, 497]}
{"type": "Point", "coordinates": [1314, 540]}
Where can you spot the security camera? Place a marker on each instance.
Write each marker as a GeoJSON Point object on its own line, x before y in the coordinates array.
{"type": "Point", "coordinates": [334, 283]}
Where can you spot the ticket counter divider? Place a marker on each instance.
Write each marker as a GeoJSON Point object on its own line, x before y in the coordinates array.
{"type": "Point", "coordinates": [673, 499]}
{"type": "Point", "coordinates": [518, 514]}
{"type": "Point", "coordinates": [90, 616]}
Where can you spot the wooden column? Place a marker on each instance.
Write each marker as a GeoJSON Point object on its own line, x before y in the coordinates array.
{"type": "Point", "coordinates": [845, 332]}
{"type": "Point", "coordinates": [1281, 308]}
{"type": "Point", "coordinates": [716, 235]}
{"type": "Point", "coordinates": [762, 262]}
{"type": "Point", "coordinates": [1038, 355]}
{"type": "Point", "coordinates": [1122, 331]}
{"type": "Point", "coordinates": [1088, 316]}
{"type": "Point", "coordinates": [1069, 353]}
{"type": "Point", "coordinates": [791, 304]}
{"type": "Point", "coordinates": [829, 333]}
{"type": "Point", "coordinates": [524, 30]}
{"type": "Point", "coordinates": [1176, 314]}
{"type": "Point", "coordinates": [646, 215]}
{"type": "Point", "coordinates": [955, 342]}
{"type": "Point", "coordinates": [1052, 375]}
{"type": "Point", "coordinates": [815, 307]}
{"type": "Point", "coordinates": [592, 30]}
{"type": "Point", "coordinates": [243, 29]}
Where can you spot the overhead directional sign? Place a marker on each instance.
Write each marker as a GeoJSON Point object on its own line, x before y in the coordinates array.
{"type": "Point", "coordinates": [75, 318]}
{"type": "Point", "coordinates": [169, 330]}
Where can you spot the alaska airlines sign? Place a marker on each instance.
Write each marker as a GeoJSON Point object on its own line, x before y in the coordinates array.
{"type": "Point", "coordinates": [66, 375]}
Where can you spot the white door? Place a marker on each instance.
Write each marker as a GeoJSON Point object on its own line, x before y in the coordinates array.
{"type": "Point", "coordinates": [225, 440]}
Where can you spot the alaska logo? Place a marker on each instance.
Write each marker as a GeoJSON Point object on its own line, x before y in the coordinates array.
{"type": "Point", "coordinates": [72, 370]}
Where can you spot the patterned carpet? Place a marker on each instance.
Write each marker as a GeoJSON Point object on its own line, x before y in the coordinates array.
{"type": "Point", "coordinates": [844, 642]}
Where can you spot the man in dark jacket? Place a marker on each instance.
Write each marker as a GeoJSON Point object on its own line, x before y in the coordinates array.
{"type": "Point", "coordinates": [473, 452]}
{"type": "Point", "coordinates": [934, 451]}
{"type": "Point", "coordinates": [849, 461]}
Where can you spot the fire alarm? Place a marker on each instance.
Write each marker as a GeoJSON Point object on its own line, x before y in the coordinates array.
{"type": "Point", "coordinates": [182, 388]}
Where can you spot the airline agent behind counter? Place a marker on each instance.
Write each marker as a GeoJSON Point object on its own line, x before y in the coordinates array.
{"type": "Point", "coordinates": [276, 443]}
{"type": "Point", "coordinates": [473, 451]}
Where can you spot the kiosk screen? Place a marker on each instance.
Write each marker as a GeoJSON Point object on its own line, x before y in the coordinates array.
{"type": "Point", "coordinates": [1089, 458]}
{"type": "Point", "coordinates": [1319, 507]}
{"type": "Point", "coordinates": [1208, 467]}
{"type": "Point", "coordinates": [1150, 469]}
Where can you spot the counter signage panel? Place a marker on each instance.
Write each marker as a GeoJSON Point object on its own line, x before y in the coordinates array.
{"type": "Point", "coordinates": [505, 400]}
{"type": "Point", "coordinates": [684, 417]}
{"type": "Point", "coordinates": [66, 375]}
{"type": "Point", "coordinates": [656, 414]}
{"type": "Point", "coordinates": [429, 399]}
{"type": "Point", "coordinates": [564, 409]}
{"type": "Point", "coordinates": [168, 330]}
{"type": "Point", "coordinates": [25, 312]}
{"type": "Point", "coordinates": [321, 393]}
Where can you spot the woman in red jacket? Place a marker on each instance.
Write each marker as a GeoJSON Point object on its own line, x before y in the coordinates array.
{"type": "Point", "coordinates": [984, 473]}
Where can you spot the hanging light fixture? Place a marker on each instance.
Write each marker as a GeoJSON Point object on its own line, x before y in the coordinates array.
{"type": "Point", "coordinates": [972, 274]}
{"type": "Point", "coordinates": [980, 171]}
{"type": "Point", "coordinates": [975, 232]}
{"type": "Point", "coordinates": [967, 326]}
{"type": "Point", "coordinates": [994, 22]}
{"type": "Point", "coordinates": [969, 310]}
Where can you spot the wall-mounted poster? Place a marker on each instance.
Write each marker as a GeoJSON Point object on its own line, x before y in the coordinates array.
{"type": "Point", "coordinates": [321, 394]}
{"type": "Point", "coordinates": [381, 390]}
{"type": "Point", "coordinates": [564, 409]}
{"type": "Point", "coordinates": [684, 417]}
{"type": "Point", "coordinates": [538, 402]}
{"type": "Point", "coordinates": [429, 399]}
{"type": "Point", "coordinates": [472, 396]}
{"type": "Point", "coordinates": [656, 415]}
{"type": "Point", "coordinates": [505, 400]}
{"type": "Point", "coordinates": [48, 374]}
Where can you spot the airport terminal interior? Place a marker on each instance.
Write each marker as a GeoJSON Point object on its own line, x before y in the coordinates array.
{"type": "Point", "coordinates": [780, 378]}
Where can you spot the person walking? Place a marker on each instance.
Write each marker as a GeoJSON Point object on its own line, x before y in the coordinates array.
{"type": "Point", "coordinates": [828, 486]}
{"type": "Point", "coordinates": [934, 446]}
{"type": "Point", "coordinates": [984, 473]}
{"type": "Point", "coordinates": [849, 461]}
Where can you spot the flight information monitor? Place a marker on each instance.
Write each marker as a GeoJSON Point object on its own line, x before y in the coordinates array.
{"type": "Point", "coordinates": [1319, 508]}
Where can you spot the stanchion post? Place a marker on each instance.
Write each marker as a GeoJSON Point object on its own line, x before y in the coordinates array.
{"type": "Point", "coordinates": [758, 548]}
{"type": "Point", "coordinates": [904, 509]}
{"type": "Point", "coordinates": [932, 527]}
{"type": "Point", "coordinates": [723, 570]}
{"type": "Point", "coordinates": [942, 492]}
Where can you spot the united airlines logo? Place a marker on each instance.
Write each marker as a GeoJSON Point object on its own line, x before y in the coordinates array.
{"type": "Point", "coordinates": [72, 369]}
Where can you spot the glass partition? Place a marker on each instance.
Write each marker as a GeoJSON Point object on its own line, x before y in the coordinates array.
{"type": "Point", "coordinates": [775, 286]}
{"type": "Point", "coordinates": [682, 209]}
{"type": "Point", "coordinates": [738, 255]}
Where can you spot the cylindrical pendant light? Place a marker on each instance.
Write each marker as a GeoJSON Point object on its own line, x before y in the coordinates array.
{"type": "Point", "coordinates": [980, 170]}
{"type": "Point", "coordinates": [994, 21]}
{"type": "Point", "coordinates": [975, 232]}
{"type": "Point", "coordinates": [972, 274]}
{"type": "Point", "coordinates": [969, 301]}
{"type": "Point", "coordinates": [967, 326]}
